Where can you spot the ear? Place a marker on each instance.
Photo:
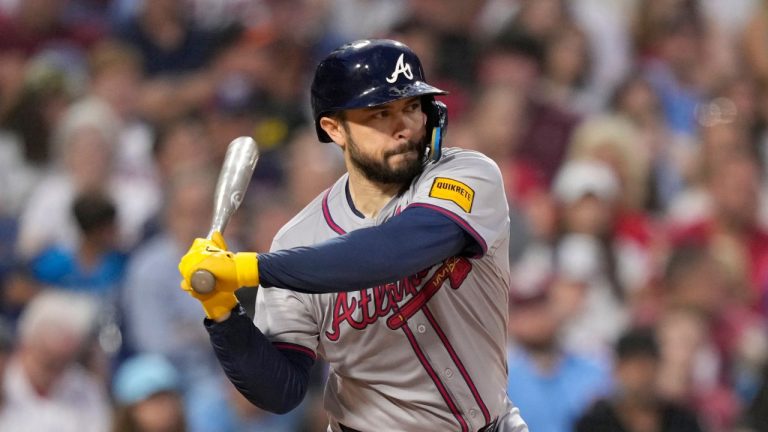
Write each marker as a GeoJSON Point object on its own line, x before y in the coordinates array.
{"type": "Point", "coordinates": [333, 128]}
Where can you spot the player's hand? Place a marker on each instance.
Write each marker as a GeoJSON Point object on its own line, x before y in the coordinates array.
{"type": "Point", "coordinates": [216, 304]}
{"type": "Point", "coordinates": [231, 271]}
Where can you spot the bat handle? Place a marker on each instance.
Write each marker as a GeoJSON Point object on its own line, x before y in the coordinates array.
{"type": "Point", "coordinates": [203, 281]}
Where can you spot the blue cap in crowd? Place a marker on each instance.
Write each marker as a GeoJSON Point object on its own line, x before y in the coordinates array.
{"type": "Point", "coordinates": [143, 376]}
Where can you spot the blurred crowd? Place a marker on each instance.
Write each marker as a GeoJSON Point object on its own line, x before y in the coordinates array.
{"type": "Point", "coordinates": [632, 136]}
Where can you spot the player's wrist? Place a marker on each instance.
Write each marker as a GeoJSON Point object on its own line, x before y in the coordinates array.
{"type": "Point", "coordinates": [247, 264]}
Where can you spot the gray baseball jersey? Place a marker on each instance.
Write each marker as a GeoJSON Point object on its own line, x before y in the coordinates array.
{"type": "Point", "coordinates": [425, 353]}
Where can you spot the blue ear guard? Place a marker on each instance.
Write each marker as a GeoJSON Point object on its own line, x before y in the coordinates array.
{"type": "Point", "coordinates": [437, 125]}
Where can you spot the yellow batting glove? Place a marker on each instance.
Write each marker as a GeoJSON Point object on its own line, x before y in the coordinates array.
{"type": "Point", "coordinates": [216, 304]}
{"type": "Point", "coordinates": [231, 271]}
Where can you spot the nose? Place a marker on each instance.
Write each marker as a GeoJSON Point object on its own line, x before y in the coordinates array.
{"type": "Point", "coordinates": [401, 126]}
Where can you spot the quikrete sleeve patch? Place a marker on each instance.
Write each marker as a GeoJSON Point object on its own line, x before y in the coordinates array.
{"type": "Point", "coordinates": [453, 190]}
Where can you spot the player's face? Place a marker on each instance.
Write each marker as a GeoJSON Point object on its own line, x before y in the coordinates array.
{"type": "Point", "coordinates": [386, 143]}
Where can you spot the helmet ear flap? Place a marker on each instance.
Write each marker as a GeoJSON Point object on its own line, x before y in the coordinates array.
{"type": "Point", "coordinates": [437, 125]}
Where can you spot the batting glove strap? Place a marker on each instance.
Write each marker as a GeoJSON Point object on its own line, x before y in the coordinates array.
{"type": "Point", "coordinates": [247, 264]}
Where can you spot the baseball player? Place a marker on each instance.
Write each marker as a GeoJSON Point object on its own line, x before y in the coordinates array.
{"type": "Point", "coordinates": [397, 275]}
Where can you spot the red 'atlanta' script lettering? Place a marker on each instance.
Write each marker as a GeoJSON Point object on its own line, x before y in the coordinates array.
{"type": "Point", "coordinates": [377, 302]}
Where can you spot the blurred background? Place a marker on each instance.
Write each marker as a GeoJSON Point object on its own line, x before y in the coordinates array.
{"type": "Point", "coordinates": [631, 135]}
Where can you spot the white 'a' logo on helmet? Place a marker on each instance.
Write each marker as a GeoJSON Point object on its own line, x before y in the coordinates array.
{"type": "Point", "coordinates": [401, 68]}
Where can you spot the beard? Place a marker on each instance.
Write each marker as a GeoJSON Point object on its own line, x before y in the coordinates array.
{"type": "Point", "coordinates": [379, 171]}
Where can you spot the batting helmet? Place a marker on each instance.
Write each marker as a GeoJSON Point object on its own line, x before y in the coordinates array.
{"type": "Point", "coordinates": [373, 72]}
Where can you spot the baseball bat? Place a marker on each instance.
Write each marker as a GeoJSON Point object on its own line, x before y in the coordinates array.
{"type": "Point", "coordinates": [239, 163]}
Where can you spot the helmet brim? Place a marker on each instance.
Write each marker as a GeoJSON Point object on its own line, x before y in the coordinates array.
{"type": "Point", "coordinates": [384, 94]}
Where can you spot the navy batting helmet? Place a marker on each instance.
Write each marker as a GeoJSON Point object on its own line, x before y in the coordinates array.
{"type": "Point", "coordinates": [373, 72]}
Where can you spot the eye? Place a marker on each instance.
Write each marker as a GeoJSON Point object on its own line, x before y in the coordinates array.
{"type": "Point", "coordinates": [381, 114]}
{"type": "Point", "coordinates": [413, 106]}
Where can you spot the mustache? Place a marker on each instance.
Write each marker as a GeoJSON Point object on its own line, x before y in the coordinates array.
{"type": "Point", "coordinates": [406, 147]}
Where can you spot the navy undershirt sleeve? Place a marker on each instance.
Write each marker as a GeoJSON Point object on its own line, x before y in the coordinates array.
{"type": "Point", "coordinates": [272, 379]}
{"type": "Point", "coordinates": [416, 239]}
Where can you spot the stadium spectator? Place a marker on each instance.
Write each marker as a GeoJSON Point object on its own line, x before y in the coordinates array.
{"type": "Point", "coordinates": [85, 160]}
{"type": "Point", "coordinates": [146, 388]}
{"type": "Point", "coordinates": [45, 388]}
{"type": "Point", "coordinates": [95, 266]}
{"type": "Point", "coordinates": [551, 384]}
{"type": "Point", "coordinates": [636, 404]}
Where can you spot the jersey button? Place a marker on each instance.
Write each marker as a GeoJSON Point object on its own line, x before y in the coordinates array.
{"type": "Point", "coordinates": [421, 328]}
{"type": "Point", "coordinates": [448, 373]}
{"type": "Point", "coordinates": [473, 413]}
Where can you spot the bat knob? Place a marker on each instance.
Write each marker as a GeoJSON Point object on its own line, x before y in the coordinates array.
{"type": "Point", "coordinates": [203, 281]}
